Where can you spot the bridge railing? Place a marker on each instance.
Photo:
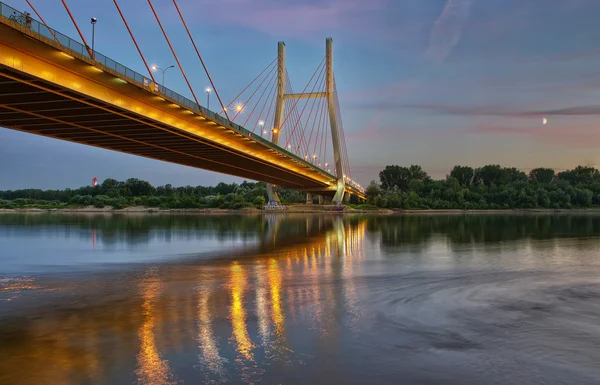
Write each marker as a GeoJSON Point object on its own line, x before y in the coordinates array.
{"type": "Point", "coordinates": [73, 46]}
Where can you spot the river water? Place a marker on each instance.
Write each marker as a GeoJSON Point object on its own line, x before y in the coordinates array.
{"type": "Point", "coordinates": [294, 299]}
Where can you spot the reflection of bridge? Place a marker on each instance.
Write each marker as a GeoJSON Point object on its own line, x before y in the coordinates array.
{"type": "Point", "coordinates": [245, 304]}
{"type": "Point", "coordinates": [56, 87]}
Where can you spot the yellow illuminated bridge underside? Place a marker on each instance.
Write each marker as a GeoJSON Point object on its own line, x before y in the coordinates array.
{"type": "Point", "coordinates": [45, 91]}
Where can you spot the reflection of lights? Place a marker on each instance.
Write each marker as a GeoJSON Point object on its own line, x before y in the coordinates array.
{"type": "Point", "coordinates": [262, 310]}
{"type": "Point", "coordinates": [152, 368]}
{"type": "Point", "coordinates": [210, 357]}
{"type": "Point", "coordinates": [238, 313]}
{"type": "Point", "coordinates": [275, 286]}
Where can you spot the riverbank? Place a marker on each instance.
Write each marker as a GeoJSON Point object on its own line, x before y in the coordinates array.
{"type": "Point", "coordinates": [299, 209]}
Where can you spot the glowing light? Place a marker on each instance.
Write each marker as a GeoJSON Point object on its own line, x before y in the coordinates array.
{"type": "Point", "coordinates": [264, 131]}
{"type": "Point", "coordinates": [154, 68]}
{"type": "Point", "coordinates": [305, 156]}
{"type": "Point", "coordinates": [261, 123]}
{"type": "Point", "coordinates": [275, 131]}
{"type": "Point", "coordinates": [97, 69]}
{"type": "Point", "coordinates": [544, 121]}
{"type": "Point", "coordinates": [289, 146]}
{"type": "Point", "coordinates": [67, 55]}
{"type": "Point", "coordinates": [239, 107]}
{"type": "Point", "coordinates": [208, 90]}
{"type": "Point", "coordinates": [326, 164]}
{"type": "Point", "coordinates": [314, 156]}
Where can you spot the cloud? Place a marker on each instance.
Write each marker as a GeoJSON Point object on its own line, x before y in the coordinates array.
{"type": "Point", "coordinates": [593, 110]}
{"type": "Point", "coordinates": [447, 29]}
{"type": "Point", "coordinates": [584, 135]}
{"type": "Point", "coordinates": [295, 19]}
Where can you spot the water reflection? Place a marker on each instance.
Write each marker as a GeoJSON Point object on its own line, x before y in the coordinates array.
{"type": "Point", "coordinates": [313, 299]}
{"type": "Point", "coordinates": [211, 362]}
{"type": "Point", "coordinates": [152, 369]}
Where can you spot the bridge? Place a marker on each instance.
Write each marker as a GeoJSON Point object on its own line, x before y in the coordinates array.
{"type": "Point", "coordinates": [54, 86]}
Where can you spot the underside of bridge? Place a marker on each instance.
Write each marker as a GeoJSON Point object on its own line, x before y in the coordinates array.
{"type": "Point", "coordinates": [75, 100]}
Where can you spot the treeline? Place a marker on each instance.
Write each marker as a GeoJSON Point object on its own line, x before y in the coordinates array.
{"type": "Point", "coordinates": [135, 192]}
{"type": "Point", "coordinates": [489, 187]}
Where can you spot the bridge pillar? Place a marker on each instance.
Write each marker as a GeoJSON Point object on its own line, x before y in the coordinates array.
{"type": "Point", "coordinates": [309, 199]}
{"type": "Point", "coordinates": [346, 198]}
{"type": "Point", "coordinates": [320, 199]}
{"type": "Point", "coordinates": [279, 111]}
{"type": "Point", "coordinates": [335, 134]}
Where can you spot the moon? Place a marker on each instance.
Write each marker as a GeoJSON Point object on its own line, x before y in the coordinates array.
{"type": "Point", "coordinates": [544, 121]}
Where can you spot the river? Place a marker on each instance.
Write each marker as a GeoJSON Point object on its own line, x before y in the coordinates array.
{"type": "Point", "coordinates": [299, 299]}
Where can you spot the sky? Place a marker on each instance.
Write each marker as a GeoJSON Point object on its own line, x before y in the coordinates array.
{"type": "Point", "coordinates": [429, 82]}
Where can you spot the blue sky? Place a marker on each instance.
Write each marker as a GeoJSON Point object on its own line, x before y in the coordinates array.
{"type": "Point", "coordinates": [430, 82]}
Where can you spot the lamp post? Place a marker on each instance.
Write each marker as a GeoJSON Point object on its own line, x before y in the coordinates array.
{"type": "Point", "coordinates": [93, 21]}
{"type": "Point", "coordinates": [156, 68]}
{"type": "Point", "coordinates": [262, 125]}
{"type": "Point", "coordinates": [208, 90]}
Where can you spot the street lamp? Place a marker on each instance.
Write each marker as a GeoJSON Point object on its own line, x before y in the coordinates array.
{"type": "Point", "coordinates": [262, 125]}
{"type": "Point", "coordinates": [156, 68]}
{"type": "Point", "coordinates": [93, 21]}
{"type": "Point", "coordinates": [207, 90]}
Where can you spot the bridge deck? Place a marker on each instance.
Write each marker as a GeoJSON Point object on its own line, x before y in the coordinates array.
{"type": "Point", "coordinates": [48, 90]}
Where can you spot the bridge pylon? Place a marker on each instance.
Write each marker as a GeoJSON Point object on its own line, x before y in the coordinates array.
{"type": "Point", "coordinates": [279, 112]}
{"type": "Point", "coordinates": [329, 94]}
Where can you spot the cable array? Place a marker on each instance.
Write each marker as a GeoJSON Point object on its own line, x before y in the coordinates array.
{"type": "Point", "coordinates": [305, 129]}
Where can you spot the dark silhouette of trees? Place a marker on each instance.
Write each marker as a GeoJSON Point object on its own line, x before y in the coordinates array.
{"type": "Point", "coordinates": [488, 187]}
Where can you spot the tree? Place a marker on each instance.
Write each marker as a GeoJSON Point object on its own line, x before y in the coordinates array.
{"type": "Point", "coordinates": [397, 177]}
{"type": "Point", "coordinates": [580, 175]}
{"type": "Point", "coordinates": [542, 175]}
{"type": "Point", "coordinates": [372, 192]}
{"type": "Point", "coordinates": [464, 175]}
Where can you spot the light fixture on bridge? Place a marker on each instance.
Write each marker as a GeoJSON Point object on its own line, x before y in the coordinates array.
{"type": "Point", "coordinates": [239, 107]}
{"type": "Point", "coordinates": [208, 91]}
{"type": "Point", "coordinates": [314, 156]}
{"type": "Point", "coordinates": [305, 156]}
{"type": "Point", "coordinates": [328, 170]}
{"type": "Point", "coordinates": [326, 164]}
{"type": "Point", "coordinates": [66, 55]}
{"type": "Point", "coordinates": [289, 146]}
{"type": "Point", "coordinates": [275, 131]}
